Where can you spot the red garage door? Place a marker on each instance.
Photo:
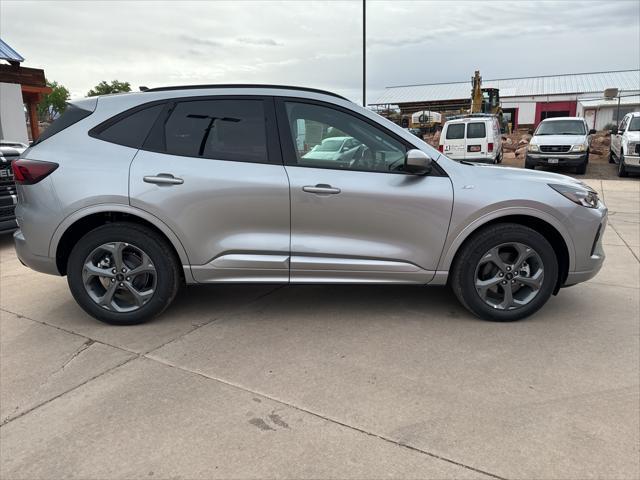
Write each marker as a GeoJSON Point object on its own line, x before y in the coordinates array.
{"type": "Point", "coordinates": [555, 109]}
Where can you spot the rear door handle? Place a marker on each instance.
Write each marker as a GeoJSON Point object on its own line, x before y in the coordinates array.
{"type": "Point", "coordinates": [163, 179]}
{"type": "Point", "coordinates": [321, 189]}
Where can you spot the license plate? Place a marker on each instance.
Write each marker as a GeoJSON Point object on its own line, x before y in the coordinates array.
{"type": "Point", "coordinates": [474, 148]}
{"type": "Point", "coordinates": [552, 160]}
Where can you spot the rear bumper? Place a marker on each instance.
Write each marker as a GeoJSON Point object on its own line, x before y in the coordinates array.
{"type": "Point", "coordinates": [564, 159]}
{"type": "Point", "coordinates": [28, 258]}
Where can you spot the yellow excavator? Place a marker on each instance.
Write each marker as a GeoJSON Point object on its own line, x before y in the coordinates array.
{"type": "Point", "coordinates": [485, 100]}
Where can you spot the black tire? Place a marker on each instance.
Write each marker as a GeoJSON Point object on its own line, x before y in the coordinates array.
{"type": "Point", "coordinates": [168, 278]}
{"type": "Point", "coordinates": [622, 171]}
{"type": "Point", "coordinates": [611, 156]}
{"type": "Point", "coordinates": [582, 169]}
{"type": "Point", "coordinates": [463, 272]}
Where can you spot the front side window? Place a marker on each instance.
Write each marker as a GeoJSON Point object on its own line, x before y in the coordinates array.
{"type": "Point", "coordinates": [561, 127]}
{"type": "Point", "coordinates": [634, 126]}
{"type": "Point", "coordinates": [455, 131]}
{"type": "Point", "coordinates": [327, 138]}
{"type": "Point", "coordinates": [217, 129]}
{"type": "Point", "coordinates": [476, 130]}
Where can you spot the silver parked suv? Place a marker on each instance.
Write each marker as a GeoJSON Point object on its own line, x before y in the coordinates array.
{"type": "Point", "coordinates": [132, 195]}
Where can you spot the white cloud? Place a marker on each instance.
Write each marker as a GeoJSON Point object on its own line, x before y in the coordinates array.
{"type": "Point", "coordinates": [317, 44]}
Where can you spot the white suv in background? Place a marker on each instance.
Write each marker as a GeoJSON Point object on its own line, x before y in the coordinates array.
{"type": "Point", "coordinates": [625, 145]}
{"type": "Point", "coordinates": [560, 142]}
{"type": "Point", "coordinates": [475, 138]}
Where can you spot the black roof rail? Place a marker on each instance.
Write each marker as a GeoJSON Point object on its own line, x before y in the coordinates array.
{"type": "Point", "coordinates": [243, 85]}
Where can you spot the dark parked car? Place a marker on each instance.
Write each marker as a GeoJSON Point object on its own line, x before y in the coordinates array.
{"type": "Point", "coordinates": [8, 197]}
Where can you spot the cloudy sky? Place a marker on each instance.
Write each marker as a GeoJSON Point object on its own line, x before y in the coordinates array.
{"type": "Point", "coordinates": [318, 44]}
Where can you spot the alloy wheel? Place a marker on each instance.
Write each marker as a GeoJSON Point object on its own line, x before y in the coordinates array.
{"type": "Point", "coordinates": [119, 277]}
{"type": "Point", "coordinates": [509, 276]}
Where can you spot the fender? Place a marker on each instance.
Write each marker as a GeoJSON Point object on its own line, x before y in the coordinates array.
{"type": "Point", "coordinates": [452, 246]}
{"type": "Point", "coordinates": [122, 208]}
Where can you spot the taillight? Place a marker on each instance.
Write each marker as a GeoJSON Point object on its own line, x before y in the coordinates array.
{"type": "Point", "coordinates": [441, 148]}
{"type": "Point", "coordinates": [490, 147]}
{"type": "Point", "coordinates": [28, 172]}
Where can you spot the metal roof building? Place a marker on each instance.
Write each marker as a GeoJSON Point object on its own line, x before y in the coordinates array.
{"type": "Point", "coordinates": [9, 54]}
{"type": "Point", "coordinates": [527, 100]}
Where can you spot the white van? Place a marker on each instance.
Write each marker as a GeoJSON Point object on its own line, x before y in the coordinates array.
{"type": "Point", "coordinates": [473, 138]}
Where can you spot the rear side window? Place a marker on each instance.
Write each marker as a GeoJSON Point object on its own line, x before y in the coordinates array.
{"type": "Point", "coordinates": [455, 131]}
{"type": "Point", "coordinates": [131, 130]}
{"type": "Point", "coordinates": [476, 130]}
{"type": "Point", "coordinates": [217, 129]}
{"type": "Point", "coordinates": [71, 115]}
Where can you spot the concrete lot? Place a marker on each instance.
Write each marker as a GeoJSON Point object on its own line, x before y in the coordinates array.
{"type": "Point", "coordinates": [327, 381]}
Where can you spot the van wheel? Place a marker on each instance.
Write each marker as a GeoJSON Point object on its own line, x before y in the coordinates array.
{"type": "Point", "coordinates": [123, 273]}
{"type": "Point", "coordinates": [504, 272]}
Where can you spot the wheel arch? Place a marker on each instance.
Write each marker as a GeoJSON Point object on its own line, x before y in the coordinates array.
{"type": "Point", "coordinates": [82, 221]}
{"type": "Point", "coordinates": [543, 223]}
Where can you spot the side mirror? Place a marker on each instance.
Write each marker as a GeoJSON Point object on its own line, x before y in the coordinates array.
{"type": "Point", "coordinates": [614, 131]}
{"type": "Point", "coordinates": [530, 131]}
{"type": "Point", "coordinates": [417, 162]}
{"type": "Point", "coordinates": [592, 131]}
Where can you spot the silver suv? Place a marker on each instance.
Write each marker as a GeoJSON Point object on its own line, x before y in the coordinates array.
{"type": "Point", "coordinates": [132, 195]}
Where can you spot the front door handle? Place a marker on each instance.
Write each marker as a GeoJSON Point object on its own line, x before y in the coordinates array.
{"type": "Point", "coordinates": [321, 189]}
{"type": "Point", "coordinates": [163, 179]}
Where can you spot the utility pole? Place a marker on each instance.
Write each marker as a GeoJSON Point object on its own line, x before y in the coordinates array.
{"type": "Point", "coordinates": [364, 53]}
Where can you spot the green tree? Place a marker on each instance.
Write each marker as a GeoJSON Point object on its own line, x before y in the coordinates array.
{"type": "Point", "coordinates": [104, 88]}
{"type": "Point", "coordinates": [54, 103]}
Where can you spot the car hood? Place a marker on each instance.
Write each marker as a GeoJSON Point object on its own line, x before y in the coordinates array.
{"type": "Point", "coordinates": [510, 174]}
{"type": "Point", "coordinates": [558, 139]}
{"type": "Point", "coordinates": [633, 136]}
{"type": "Point", "coordinates": [321, 155]}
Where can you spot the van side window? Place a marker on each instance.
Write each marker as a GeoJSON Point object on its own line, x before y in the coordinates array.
{"type": "Point", "coordinates": [476, 130]}
{"type": "Point", "coordinates": [217, 129]}
{"type": "Point", "coordinates": [455, 131]}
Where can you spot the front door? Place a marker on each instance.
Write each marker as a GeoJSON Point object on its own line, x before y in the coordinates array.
{"type": "Point", "coordinates": [211, 170]}
{"type": "Point", "coordinates": [362, 219]}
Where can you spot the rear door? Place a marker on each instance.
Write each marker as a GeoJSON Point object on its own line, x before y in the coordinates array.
{"type": "Point", "coordinates": [454, 141]}
{"type": "Point", "coordinates": [211, 169]}
{"type": "Point", "coordinates": [476, 141]}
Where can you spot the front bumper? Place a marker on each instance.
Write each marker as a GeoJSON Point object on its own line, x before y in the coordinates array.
{"type": "Point", "coordinates": [564, 159]}
{"type": "Point", "coordinates": [631, 163]}
{"type": "Point", "coordinates": [589, 250]}
{"type": "Point", "coordinates": [28, 258]}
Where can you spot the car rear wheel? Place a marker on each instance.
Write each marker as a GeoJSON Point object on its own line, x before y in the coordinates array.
{"type": "Point", "coordinates": [505, 272]}
{"type": "Point", "coordinates": [123, 273]}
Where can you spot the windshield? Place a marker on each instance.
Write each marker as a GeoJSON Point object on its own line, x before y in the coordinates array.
{"type": "Point", "coordinates": [329, 145]}
{"type": "Point", "coordinates": [634, 126]}
{"type": "Point", "coordinates": [561, 127]}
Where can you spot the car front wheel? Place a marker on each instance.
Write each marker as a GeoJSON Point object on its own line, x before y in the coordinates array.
{"type": "Point", "coordinates": [505, 272]}
{"type": "Point", "coordinates": [123, 273]}
{"type": "Point", "coordinates": [622, 171]}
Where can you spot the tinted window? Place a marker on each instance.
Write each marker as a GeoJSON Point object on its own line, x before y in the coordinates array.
{"type": "Point", "coordinates": [476, 130]}
{"type": "Point", "coordinates": [455, 131]}
{"type": "Point", "coordinates": [327, 138]}
{"type": "Point", "coordinates": [132, 129]}
{"type": "Point", "coordinates": [217, 129]}
{"type": "Point", "coordinates": [70, 116]}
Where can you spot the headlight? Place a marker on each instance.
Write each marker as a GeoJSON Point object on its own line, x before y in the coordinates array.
{"type": "Point", "coordinates": [533, 148]}
{"type": "Point", "coordinates": [581, 195]}
{"type": "Point", "coordinates": [579, 148]}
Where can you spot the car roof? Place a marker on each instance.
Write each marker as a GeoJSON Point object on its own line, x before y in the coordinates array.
{"type": "Point", "coordinates": [471, 119]}
{"type": "Point", "coordinates": [555, 119]}
{"type": "Point", "coordinates": [242, 85]}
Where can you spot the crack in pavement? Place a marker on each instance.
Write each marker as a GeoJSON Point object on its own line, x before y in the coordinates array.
{"type": "Point", "coordinates": [330, 420]}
